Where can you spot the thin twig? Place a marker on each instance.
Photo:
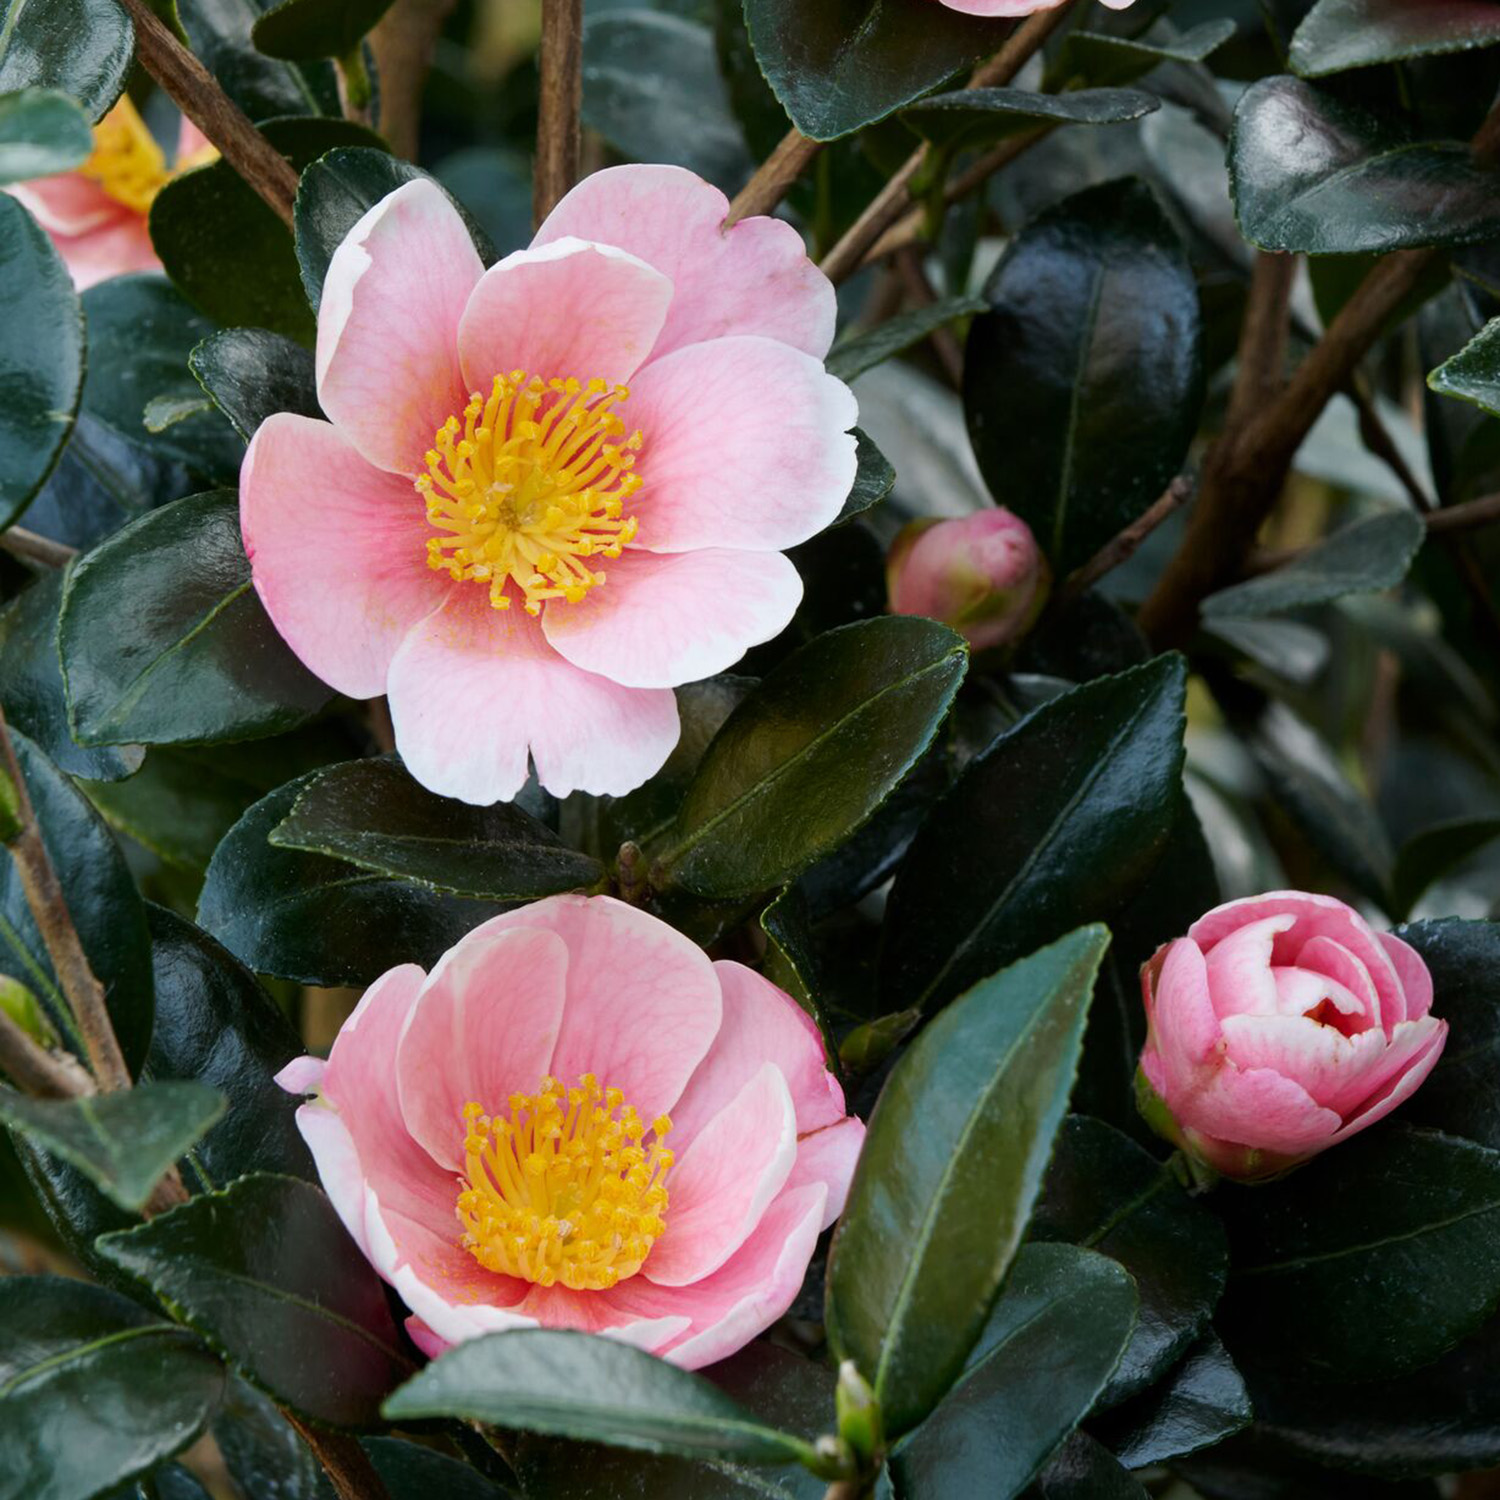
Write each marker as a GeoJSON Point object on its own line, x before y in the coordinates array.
{"type": "Point", "coordinates": [558, 132]}
{"type": "Point", "coordinates": [44, 896]}
{"type": "Point", "coordinates": [1122, 547]}
{"type": "Point", "coordinates": [195, 91]}
{"type": "Point", "coordinates": [1378, 439]}
{"type": "Point", "coordinates": [347, 1465]}
{"type": "Point", "coordinates": [1465, 517]}
{"type": "Point", "coordinates": [402, 43]}
{"type": "Point", "coordinates": [34, 548]}
{"type": "Point", "coordinates": [920, 293]}
{"type": "Point", "coordinates": [895, 197]}
{"type": "Point", "coordinates": [775, 176]}
{"type": "Point", "coordinates": [35, 1070]}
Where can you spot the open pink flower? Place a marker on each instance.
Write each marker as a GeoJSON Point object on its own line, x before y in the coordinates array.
{"type": "Point", "coordinates": [97, 216]}
{"type": "Point", "coordinates": [1281, 1025]}
{"type": "Point", "coordinates": [1016, 7]}
{"type": "Point", "coordinates": [577, 1121]}
{"type": "Point", "coordinates": [524, 552]}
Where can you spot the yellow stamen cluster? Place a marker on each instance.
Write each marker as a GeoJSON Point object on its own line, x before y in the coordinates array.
{"type": "Point", "coordinates": [529, 486]}
{"type": "Point", "coordinates": [564, 1190]}
{"type": "Point", "coordinates": [128, 164]}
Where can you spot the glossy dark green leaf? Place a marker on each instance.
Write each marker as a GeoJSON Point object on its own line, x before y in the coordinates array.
{"type": "Point", "coordinates": [1061, 818]}
{"type": "Point", "coordinates": [1372, 553]}
{"type": "Point", "coordinates": [318, 920]}
{"type": "Point", "coordinates": [1202, 1402]}
{"type": "Point", "coordinates": [262, 1452]}
{"type": "Point", "coordinates": [216, 1025]}
{"type": "Point", "coordinates": [1314, 1273]}
{"type": "Point", "coordinates": [599, 1390]}
{"type": "Point", "coordinates": [968, 118]}
{"type": "Point", "coordinates": [93, 1389]}
{"type": "Point", "coordinates": [854, 356]}
{"type": "Point", "coordinates": [1082, 385]}
{"type": "Point", "coordinates": [125, 1142]}
{"type": "Point", "coordinates": [847, 63]}
{"type": "Point", "coordinates": [303, 30]}
{"type": "Point", "coordinates": [1103, 59]}
{"type": "Point", "coordinates": [1337, 35]}
{"type": "Point", "coordinates": [263, 87]}
{"type": "Point", "coordinates": [227, 250]}
{"type": "Point", "coordinates": [1310, 173]}
{"type": "Point", "coordinates": [1105, 1193]}
{"type": "Point", "coordinates": [1046, 1352]}
{"type": "Point", "coordinates": [203, 661]}
{"type": "Point", "coordinates": [1427, 856]}
{"type": "Point", "coordinates": [102, 899]}
{"type": "Point", "coordinates": [413, 1471]}
{"type": "Point", "coordinates": [874, 479]}
{"type": "Point", "coordinates": [252, 373]}
{"type": "Point", "coordinates": [652, 89]}
{"type": "Point", "coordinates": [42, 132]}
{"type": "Point", "coordinates": [41, 357]}
{"type": "Point", "coordinates": [372, 814]}
{"type": "Point", "coordinates": [141, 331]}
{"type": "Point", "coordinates": [31, 687]}
{"type": "Point", "coordinates": [82, 48]}
{"type": "Point", "coordinates": [950, 1169]}
{"type": "Point", "coordinates": [1083, 1469]}
{"type": "Point", "coordinates": [268, 1275]}
{"type": "Point", "coordinates": [1473, 374]}
{"type": "Point", "coordinates": [805, 760]}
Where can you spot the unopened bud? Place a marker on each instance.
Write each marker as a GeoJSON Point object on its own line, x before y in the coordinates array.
{"type": "Point", "coordinates": [26, 1011]}
{"type": "Point", "coordinates": [982, 574]}
{"type": "Point", "coordinates": [858, 1413]}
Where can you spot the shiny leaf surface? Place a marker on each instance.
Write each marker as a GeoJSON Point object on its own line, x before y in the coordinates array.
{"type": "Point", "coordinates": [1337, 35]}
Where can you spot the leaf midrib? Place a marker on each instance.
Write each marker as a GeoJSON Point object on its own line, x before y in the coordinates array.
{"type": "Point", "coordinates": [78, 1351]}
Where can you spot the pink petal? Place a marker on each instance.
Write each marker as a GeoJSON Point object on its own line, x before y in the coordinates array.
{"type": "Point", "coordinates": [643, 1005]}
{"type": "Point", "coordinates": [303, 1075]}
{"type": "Point", "coordinates": [483, 1028]}
{"type": "Point", "coordinates": [72, 205]}
{"type": "Point", "coordinates": [565, 309]}
{"type": "Point", "coordinates": [1404, 1084]}
{"type": "Point", "coordinates": [761, 1024]}
{"type": "Point", "coordinates": [1299, 991]}
{"type": "Point", "coordinates": [1239, 968]}
{"type": "Point", "coordinates": [337, 550]}
{"type": "Point", "coordinates": [1184, 1027]}
{"type": "Point", "coordinates": [473, 689]}
{"type": "Point", "coordinates": [343, 1178]}
{"type": "Point", "coordinates": [1335, 960]}
{"type": "Point", "coordinates": [722, 1184]}
{"type": "Point", "coordinates": [190, 140]}
{"type": "Point", "coordinates": [604, 1313]}
{"type": "Point", "coordinates": [388, 371]}
{"type": "Point", "coordinates": [425, 1339]}
{"type": "Point", "coordinates": [1412, 970]}
{"type": "Point", "coordinates": [1014, 7]}
{"type": "Point", "coordinates": [753, 278]}
{"type": "Point", "coordinates": [828, 1157]}
{"type": "Point", "coordinates": [663, 619]}
{"type": "Point", "coordinates": [747, 446]}
{"type": "Point", "coordinates": [1334, 1069]}
{"type": "Point", "coordinates": [1257, 1107]}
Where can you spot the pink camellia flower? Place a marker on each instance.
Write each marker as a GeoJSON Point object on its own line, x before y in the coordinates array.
{"type": "Point", "coordinates": [982, 574]}
{"type": "Point", "coordinates": [522, 550]}
{"type": "Point", "coordinates": [577, 1121]}
{"type": "Point", "coordinates": [1281, 1025]}
{"type": "Point", "coordinates": [1016, 7]}
{"type": "Point", "coordinates": [97, 216]}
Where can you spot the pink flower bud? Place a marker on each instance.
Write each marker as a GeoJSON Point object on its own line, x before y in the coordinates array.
{"type": "Point", "coordinates": [1279, 1026]}
{"type": "Point", "coordinates": [982, 574]}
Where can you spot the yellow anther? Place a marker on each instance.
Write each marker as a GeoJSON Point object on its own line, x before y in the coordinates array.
{"type": "Point", "coordinates": [128, 164]}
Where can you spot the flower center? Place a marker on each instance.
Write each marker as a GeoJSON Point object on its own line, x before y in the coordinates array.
{"type": "Point", "coordinates": [531, 485]}
{"type": "Point", "coordinates": [128, 164]}
{"type": "Point", "coordinates": [563, 1190]}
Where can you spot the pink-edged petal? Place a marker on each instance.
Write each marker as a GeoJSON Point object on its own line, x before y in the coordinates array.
{"type": "Point", "coordinates": [1013, 7]}
{"type": "Point", "coordinates": [483, 1028]}
{"type": "Point", "coordinates": [72, 205]}
{"type": "Point", "coordinates": [643, 1003]}
{"type": "Point", "coordinates": [1300, 991]}
{"type": "Point", "coordinates": [1402, 1085]}
{"type": "Point", "coordinates": [474, 689]}
{"type": "Point", "coordinates": [387, 357]}
{"type": "Point", "coordinates": [663, 619]}
{"type": "Point", "coordinates": [327, 1138]}
{"type": "Point", "coordinates": [425, 1339]}
{"type": "Point", "coordinates": [828, 1157]}
{"type": "Point", "coordinates": [1239, 968]}
{"type": "Point", "coordinates": [190, 141]}
{"type": "Point", "coordinates": [337, 550]}
{"type": "Point", "coordinates": [1185, 1029]}
{"type": "Point", "coordinates": [605, 1313]}
{"type": "Point", "coordinates": [1328, 957]}
{"type": "Point", "coordinates": [746, 445]}
{"type": "Point", "coordinates": [761, 1024]}
{"type": "Point", "coordinates": [721, 1185]}
{"type": "Point", "coordinates": [1255, 1106]}
{"type": "Point", "coordinates": [1316, 916]}
{"type": "Point", "coordinates": [303, 1075]}
{"type": "Point", "coordinates": [1335, 1069]}
{"type": "Point", "coordinates": [753, 278]}
{"type": "Point", "coordinates": [1415, 976]}
{"type": "Point", "coordinates": [565, 309]}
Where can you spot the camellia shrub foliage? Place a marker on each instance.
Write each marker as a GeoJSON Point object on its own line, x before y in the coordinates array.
{"type": "Point", "coordinates": [750, 748]}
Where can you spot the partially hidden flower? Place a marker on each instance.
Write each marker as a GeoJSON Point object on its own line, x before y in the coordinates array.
{"type": "Point", "coordinates": [1279, 1026]}
{"type": "Point", "coordinates": [1016, 7]}
{"type": "Point", "coordinates": [577, 1121]}
{"type": "Point", "coordinates": [982, 574]}
{"type": "Point", "coordinates": [550, 492]}
{"type": "Point", "coordinates": [97, 216]}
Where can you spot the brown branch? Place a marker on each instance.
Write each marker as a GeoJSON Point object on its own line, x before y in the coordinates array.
{"type": "Point", "coordinates": [1465, 517]}
{"type": "Point", "coordinates": [895, 197]}
{"type": "Point", "coordinates": [347, 1465]}
{"type": "Point", "coordinates": [1122, 547]}
{"type": "Point", "coordinates": [34, 548]}
{"type": "Point", "coordinates": [920, 293]}
{"type": "Point", "coordinates": [36, 1070]}
{"type": "Point", "coordinates": [1377, 437]}
{"type": "Point", "coordinates": [402, 43]}
{"type": "Point", "coordinates": [775, 177]}
{"type": "Point", "coordinates": [195, 91]}
{"type": "Point", "coordinates": [559, 135]}
{"type": "Point", "coordinates": [44, 896]}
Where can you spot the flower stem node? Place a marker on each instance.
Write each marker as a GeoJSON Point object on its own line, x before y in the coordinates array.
{"type": "Point", "coordinates": [860, 1425]}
